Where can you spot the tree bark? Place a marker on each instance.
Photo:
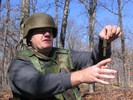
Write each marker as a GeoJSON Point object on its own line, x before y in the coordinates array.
{"type": "Point", "coordinates": [122, 42]}
{"type": "Point", "coordinates": [64, 24]}
{"type": "Point", "coordinates": [56, 20]}
{"type": "Point", "coordinates": [25, 12]}
{"type": "Point", "coordinates": [92, 13]}
{"type": "Point", "coordinates": [4, 44]}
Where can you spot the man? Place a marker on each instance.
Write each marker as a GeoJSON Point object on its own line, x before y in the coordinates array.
{"type": "Point", "coordinates": [43, 72]}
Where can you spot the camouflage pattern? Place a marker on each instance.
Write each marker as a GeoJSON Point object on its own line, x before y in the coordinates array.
{"type": "Point", "coordinates": [59, 61]}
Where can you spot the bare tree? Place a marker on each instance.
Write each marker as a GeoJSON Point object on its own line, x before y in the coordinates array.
{"type": "Point", "coordinates": [0, 4]}
{"type": "Point", "coordinates": [73, 36]}
{"type": "Point", "coordinates": [122, 40]}
{"type": "Point", "coordinates": [25, 11]}
{"type": "Point", "coordinates": [119, 14]}
{"type": "Point", "coordinates": [91, 9]}
{"type": "Point", "coordinates": [56, 20]}
{"type": "Point", "coordinates": [33, 5]}
{"type": "Point", "coordinates": [4, 44]}
{"type": "Point", "coordinates": [64, 23]}
{"type": "Point", "coordinates": [0, 61]}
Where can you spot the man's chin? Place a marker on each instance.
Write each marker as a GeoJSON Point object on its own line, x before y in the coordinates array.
{"type": "Point", "coordinates": [48, 48]}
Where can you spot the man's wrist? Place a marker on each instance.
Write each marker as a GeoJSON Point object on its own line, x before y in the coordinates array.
{"type": "Point", "coordinates": [76, 78]}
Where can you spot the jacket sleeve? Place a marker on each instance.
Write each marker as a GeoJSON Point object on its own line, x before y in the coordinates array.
{"type": "Point", "coordinates": [84, 59]}
{"type": "Point", "coordinates": [25, 80]}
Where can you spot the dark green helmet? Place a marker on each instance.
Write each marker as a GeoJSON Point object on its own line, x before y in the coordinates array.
{"type": "Point", "coordinates": [39, 20]}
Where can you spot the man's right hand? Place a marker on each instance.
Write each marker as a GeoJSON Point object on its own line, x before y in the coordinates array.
{"type": "Point", "coordinates": [97, 73]}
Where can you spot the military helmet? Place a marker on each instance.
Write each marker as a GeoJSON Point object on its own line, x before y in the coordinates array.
{"type": "Point", "coordinates": [39, 20]}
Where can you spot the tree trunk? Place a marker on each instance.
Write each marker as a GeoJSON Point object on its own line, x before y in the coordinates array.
{"type": "Point", "coordinates": [56, 21]}
{"type": "Point", "coordinates": [0, 61]}
{"type": "Point", "coordinates": [122, 41]}
{"type": "Point", "coordinates": [91, 11]}
{"type": "Point", "coordinates": [64, 24]}
{"type": "Point", "coordinates": [3, 54]}
{"type": "Point", "coordinates": [92, 14]}
{"type": "Point", "coordinates": [4, 45]}
{"type": "Point", "coordinates": [0, 4]}
{"type": "Point", "coordinates": [25, 12]}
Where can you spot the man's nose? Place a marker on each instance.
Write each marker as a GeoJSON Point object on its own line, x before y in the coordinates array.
{"type": "Point", "coordinates": [47, 34]}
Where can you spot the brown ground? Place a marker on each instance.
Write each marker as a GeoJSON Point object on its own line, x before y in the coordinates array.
{"type": "Point", "coordinates": [5, 95]}
{"type": "Point", "coordinates": [116, 94]}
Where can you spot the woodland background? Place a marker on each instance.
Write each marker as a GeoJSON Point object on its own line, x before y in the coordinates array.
{"type": "Point", "coordinates": [79, 23]}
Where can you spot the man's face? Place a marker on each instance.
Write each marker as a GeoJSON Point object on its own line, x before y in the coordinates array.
{"type": "Point", "coordinates": [42, 39]}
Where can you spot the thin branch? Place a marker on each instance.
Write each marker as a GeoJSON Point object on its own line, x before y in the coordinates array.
{"type": "Point", "coordinates": [109, 9]}
{"type": "Point", "coordinates": [125, 4]}
{"type": "Point", "coordinates": [86, 6]}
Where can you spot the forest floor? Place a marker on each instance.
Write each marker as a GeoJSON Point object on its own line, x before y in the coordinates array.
{"type": "Point", "coordinates": [5, 94]}
{"type": "Point", "coordinates": [117, 94]}
{"type": "Point", "coordinates": [106, 94]}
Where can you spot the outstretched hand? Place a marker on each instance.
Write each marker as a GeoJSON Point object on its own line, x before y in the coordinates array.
{"type": "Point", "coordinates": [110, 33]}
{"type": "Point", "coordinates": [97, 73]}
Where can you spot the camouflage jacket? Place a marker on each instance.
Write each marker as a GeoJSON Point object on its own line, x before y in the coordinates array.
{"type": "Point", "coordinates": [51, 78]}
